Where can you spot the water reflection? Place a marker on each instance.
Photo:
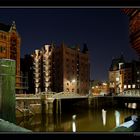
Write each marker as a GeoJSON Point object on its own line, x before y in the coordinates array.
{"type": "Point", "coordinates": [104, 116]}
{"type": "Point", "coordinates": [117, 116]}
{"type": "Point", "coordinates": [73, 123]}
{"type": "Point", "coordinates": [92, 120]}
{"type": "Point", "coordinates": [73, 126]}
{"type": "Point", "coordinates": [134, 105]}
{"type": "Point", "coordinates": [131, 105]}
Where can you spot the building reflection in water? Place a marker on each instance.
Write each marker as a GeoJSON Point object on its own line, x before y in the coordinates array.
{"type": "Point", "coordinates": [104, 116]}
{"type": "Point", "coordinates": [131, 105]}
{"type": "Point", "coordinates": [93, 120]}
{"type": "Point", "coordinates": [117, 116]}
{"type": "Point", "coordinates": [134, 105]}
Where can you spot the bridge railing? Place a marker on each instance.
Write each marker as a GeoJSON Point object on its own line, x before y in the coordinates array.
{"type": "Point", "coordinates": [131, 92]}
{"type": "Point", "coordinates": [68, 95]}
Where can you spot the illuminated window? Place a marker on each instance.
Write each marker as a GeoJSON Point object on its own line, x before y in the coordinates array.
{"type": "Point", "coordinates": [129, 86]}
{"type": "Point", "coordinates": [133, 86]}
{"type": "Point", "coordinates": [125, 86]}
{"type": "Point", "coordinates": [117, 78]}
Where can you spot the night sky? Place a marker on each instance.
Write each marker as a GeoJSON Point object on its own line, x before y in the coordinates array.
{"type": "Point", "coordinates": [105, 31]}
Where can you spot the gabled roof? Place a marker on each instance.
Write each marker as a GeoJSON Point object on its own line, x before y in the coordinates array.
{"type": "Point", "coordinates": [115, 63]}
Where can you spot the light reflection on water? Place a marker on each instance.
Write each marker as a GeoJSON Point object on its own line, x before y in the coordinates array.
{"type": "Point", "coordinates": [92, 120]}
{"type": "Point", "coordinates": [117, 116]}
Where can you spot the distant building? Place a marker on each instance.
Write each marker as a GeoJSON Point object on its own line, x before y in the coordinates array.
{"type": "Point", "coordinates": [124, 75]}
{"type": "Point", "coordinates": [26, 68]}
{"type": "Point", "coordinates": [10, 47]}
{"type": "Point", "coordinates": [134, 27]}
{"type": "Point", "coordinates": [61, 69]}
{"type": "Point", "coordinates": [116, 75]}
{"type": "Point", "coordinates": [99, 88]}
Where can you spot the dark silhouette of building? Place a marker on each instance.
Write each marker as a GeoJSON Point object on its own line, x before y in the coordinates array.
{"type": "Point", "coordinates": [27, 74]}
{"type": "Point", "coordinates": [134, 27]}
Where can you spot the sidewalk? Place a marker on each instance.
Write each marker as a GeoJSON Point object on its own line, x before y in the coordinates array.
{"type": "Point", "coordinates": [6, 126]}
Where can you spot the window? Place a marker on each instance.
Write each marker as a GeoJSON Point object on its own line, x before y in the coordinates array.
{"type": "Point", "coordinates": [133, 86]}
{"type": "Point", "coordinates": [1, 36]}
{"type": "Point", "coordinates": [50, 48]}
{"type": "Point", "coordinates": [129, 86]}
{"type": "Point", "coordinates": [125, 86]}
{"type": "Point", "coordinates": [2, 49]}
{"type": "Point", "coordinates": [4, 37]}
{"type": "Point", "coordinates": [77, 90]}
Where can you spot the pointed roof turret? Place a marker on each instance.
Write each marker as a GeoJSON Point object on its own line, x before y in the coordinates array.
{"type": "Point", "coordinates": [13, 26]}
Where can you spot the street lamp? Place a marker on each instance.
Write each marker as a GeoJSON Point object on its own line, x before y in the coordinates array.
{"type": "Point", "coordinates": [72, 84]}
{"type": "Point", "coordinates": [73, 81]}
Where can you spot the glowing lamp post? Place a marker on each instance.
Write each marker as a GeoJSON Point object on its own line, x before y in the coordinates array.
{"type": "Point", "coordinates": [73, 81]}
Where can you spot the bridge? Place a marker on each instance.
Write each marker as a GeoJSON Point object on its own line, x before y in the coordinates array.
{"type": "Point", "coordinates": [30, 104]}
{"type": "Point", "coordinates": [54, 102]}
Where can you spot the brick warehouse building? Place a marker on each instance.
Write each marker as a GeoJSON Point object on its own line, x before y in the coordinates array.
{"type": "Point", "coordinates": [124, 75]}
{"type": "Point", "coordinates": [134, 27]}
{"type": "Point", "coordinates": [10, 47]}
{"type": "Point", "coordinates": [61, 69]}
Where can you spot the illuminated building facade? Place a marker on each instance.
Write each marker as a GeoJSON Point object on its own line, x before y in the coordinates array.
{"type": "Point", "coordinates": [73, 69]}
{"type": "Point", "coordinates": [42, 65]}
{"type": "Point", "coordinates": [116, 75]}
{"type": "Point", "coordinates": [61, 69]}
{"type": "Point", "coordinates": [99, 88]}
{"type": "Point", "coordinates": [134, 27]}
{"type": "Point", "coordinates": [124, 75]}
{"type": "Point", "coordinates": [10, 47]}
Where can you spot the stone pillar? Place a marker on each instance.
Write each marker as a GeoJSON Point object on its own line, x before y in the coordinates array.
{"type": "Point", "coordinates": [7, 90]}
{"type": "Point", "coordinates": [47, 104]}
{"type": "Point", "coordinates": [47, 108]}
{"type": "Point", "coordinates": [58, 106]}
{"type": "Point", "coordinates": [50, 108]}
{"type": "Point", "coordinates": [89, 101]}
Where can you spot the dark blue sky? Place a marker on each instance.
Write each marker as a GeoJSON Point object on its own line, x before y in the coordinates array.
{"type": "Point", "coordinates": [104, 30]}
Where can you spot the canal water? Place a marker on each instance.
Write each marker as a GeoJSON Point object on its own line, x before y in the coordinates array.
{"type": "Point", "coordinates": [78, 120]}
